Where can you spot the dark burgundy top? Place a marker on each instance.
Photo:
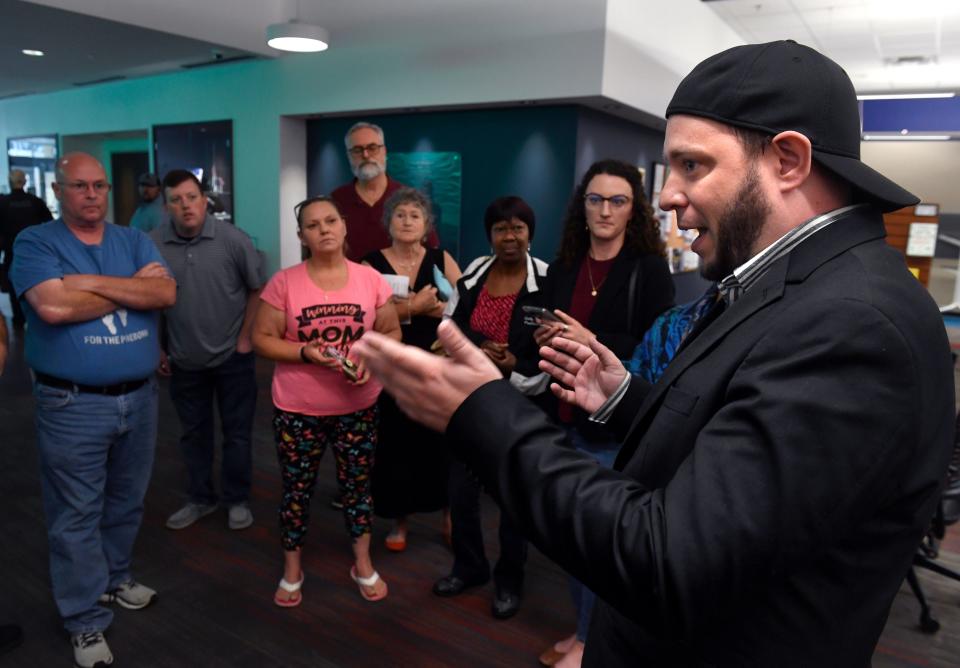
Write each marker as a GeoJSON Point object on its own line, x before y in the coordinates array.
{"type": "Point", "coordinates": [582, 302]}
{"type": "Point", "coordinates": [365, 230]}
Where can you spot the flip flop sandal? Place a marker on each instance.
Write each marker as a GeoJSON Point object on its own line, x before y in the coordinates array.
{"type": "Point", "coordinates": [368, 582]}
{"type": "Point", "coordinates": [291, 588]}
{"type": "Point", "coordinates": [551, 656]}
{"type": "Point", "coordinates": [396, 543]}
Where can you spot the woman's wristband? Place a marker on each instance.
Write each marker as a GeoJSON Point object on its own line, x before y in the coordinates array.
{"type": "Point", "coordinates": [303, 355]}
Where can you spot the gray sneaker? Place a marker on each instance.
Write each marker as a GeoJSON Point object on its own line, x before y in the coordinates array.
{"type": "Point", "coordinates": [239, 516]}
{"type": "Point", "coordinates": [131, 595]}
{"type": "Point", "coordinates": [90, 650]}
{"type": "Point", "coordinates": [189, 514]}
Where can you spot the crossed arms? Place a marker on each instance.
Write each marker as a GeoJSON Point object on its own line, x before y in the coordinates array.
{"type": "Point", "coordinates": [82, 297]}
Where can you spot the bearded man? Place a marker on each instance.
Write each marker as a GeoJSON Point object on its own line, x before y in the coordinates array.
{"type": "Point", "coordinates": [773, 485]}
{"type": "Point", "coordinates": [361, 201]}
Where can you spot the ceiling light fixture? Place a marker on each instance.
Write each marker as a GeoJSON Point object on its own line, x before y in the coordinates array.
{"type": "Point", "coordinates": [32, 52]}
{"type": "Point", "coordinates": [298, 37]}
{"type": "Point", "coordinates": [906, 137]}
{"type": "Point", "coordinates": [904, 96]}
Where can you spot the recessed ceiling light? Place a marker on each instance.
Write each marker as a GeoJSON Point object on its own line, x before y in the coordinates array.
{"type": "Point", "coordinates": [904, 96]}
{"type": "Point", "coordinates": [31, 52]}
{"type": "Point", "coordinates": [299, 37]}
{"type": "Point", "coordinates": [906, 137]}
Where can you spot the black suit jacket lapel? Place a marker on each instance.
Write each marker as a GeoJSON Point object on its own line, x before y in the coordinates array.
{"type": "Point", "coordinates": [768, 290]}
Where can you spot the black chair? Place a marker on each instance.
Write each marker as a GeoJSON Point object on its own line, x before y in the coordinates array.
{"type": "Point", "coordinates": [947, 513]}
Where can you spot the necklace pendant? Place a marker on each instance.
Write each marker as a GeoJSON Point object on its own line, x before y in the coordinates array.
{"type": "Point", "coordinates": [593, 293]}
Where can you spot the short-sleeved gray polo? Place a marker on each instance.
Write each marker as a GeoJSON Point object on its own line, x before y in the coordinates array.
{"type": "Point", "coordinates": [215, 272]}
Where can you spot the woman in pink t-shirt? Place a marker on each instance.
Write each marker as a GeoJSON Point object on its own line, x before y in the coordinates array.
{"type": "Point", "coordinates": [309, 317]}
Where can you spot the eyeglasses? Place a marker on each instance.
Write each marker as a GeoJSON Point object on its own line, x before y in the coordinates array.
{"type": "Point", "coordinates": [189, 198]}
{"type": "Point", "coordinates": [503, 228]}
{"type": "Point", "coordinates": [595, 201]}
{"type": "Point", "coordinates": [372, 149]}
{"type": "Point", "coordinates": [81, 187]}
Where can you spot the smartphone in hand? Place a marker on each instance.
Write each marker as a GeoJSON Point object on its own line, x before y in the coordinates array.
{"type": "Point", "coordinates": [347, 365]}
{"type": "Point", "coordinates": [537, 315]}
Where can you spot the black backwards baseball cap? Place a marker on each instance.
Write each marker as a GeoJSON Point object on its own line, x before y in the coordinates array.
{"type": "Point", "coordinates": [148, 179]}
{"type": "Point", "coordinates": [782, 86]}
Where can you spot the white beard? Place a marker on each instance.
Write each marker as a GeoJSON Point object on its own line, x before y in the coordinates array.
{"type": "Point", "coordinates": [369, 170]}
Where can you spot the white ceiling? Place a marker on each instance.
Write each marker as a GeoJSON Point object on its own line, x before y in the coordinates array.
{"type": "Point", "coordinates": [884, 45]}
{"type": "Point", "coordinates": [81, 49]}
{"type": "Point", "coordinates": [94, 39]}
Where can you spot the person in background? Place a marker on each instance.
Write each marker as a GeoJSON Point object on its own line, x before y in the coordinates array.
{"type": "Point", "coordinates": [92, 296]}
{"type": "Point", "coordinates": [18, 211]}
{"type": "Point", "coordinates": [310, 316]}
{"type": "Point", "coordinates": [492, 293]}
{"type": "Point", "coordinates": [361, 200]}
{"type": "Point", "coordinates": [150, 213]}
{"type": "Point", "coordinates": [11, 635]}
{"type": "Point", "coordinates": [410, 475]}
{"type": "Point", "coordinates": [610, 281]}
{"type": "Point", "coordinates": [209, 355]}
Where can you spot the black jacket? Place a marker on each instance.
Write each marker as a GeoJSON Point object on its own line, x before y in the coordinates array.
{"type": "Point", "coordinates": [652, 295]}
{"type": "Point", "coordinates": [526, 376]}
{"type": "Point", "coordinates": [18, 211]}
{"type": "Point", "coordinates": [772, 486]}
{"type": "Point", "coordinates": [618, 323]}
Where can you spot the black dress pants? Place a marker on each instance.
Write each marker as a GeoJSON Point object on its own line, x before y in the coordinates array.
{"type": "Point", "coordinates": [470, 562]}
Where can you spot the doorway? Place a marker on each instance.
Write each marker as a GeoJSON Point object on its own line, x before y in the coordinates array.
{"type": "Point", "coordinates": [126, 169]}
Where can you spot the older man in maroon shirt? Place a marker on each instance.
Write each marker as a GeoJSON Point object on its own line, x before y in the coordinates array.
{"type": "Point", "coordinates": [361, 201]}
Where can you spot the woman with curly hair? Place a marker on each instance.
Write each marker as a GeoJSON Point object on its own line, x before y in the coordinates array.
{"type": "Point", "coordinates": [610, 280]}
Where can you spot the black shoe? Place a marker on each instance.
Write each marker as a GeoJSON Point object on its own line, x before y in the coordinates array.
{"type": "Point", "coordinates": [11, 636]}
{"type": "Point", "coordinates": [505, 604]}
{"type": "Point", "coordinates": [452, 585]}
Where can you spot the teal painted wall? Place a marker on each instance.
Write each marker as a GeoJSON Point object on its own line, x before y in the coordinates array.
{"type": "Point", "coordinates": [255, 94]}
{"type": "Point", "coordinates": [527, 152]}
{"type": "Point", "coordinates": [211, 94]}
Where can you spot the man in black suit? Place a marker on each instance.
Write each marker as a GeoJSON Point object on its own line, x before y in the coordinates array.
{"type": "Point", "coordinates": [18, 211]}
{"type": "Point", "coordinates": [773, 485]}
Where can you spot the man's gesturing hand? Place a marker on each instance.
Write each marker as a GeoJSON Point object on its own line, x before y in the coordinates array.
{"type": "Point", "coordinates": [587, 376]}
{"type": "Point", "coordinates": [428, 388]}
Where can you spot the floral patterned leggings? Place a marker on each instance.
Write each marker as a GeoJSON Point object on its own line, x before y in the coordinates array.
{"type": "Point", "coordinates": [301, 442]}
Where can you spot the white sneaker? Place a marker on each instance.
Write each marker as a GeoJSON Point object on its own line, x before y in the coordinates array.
{"type": "Point", "coordinates": [239, 516]}
{"type": "Point", "coordinates": [90, 650]}
{"type": "Point", "coordinates": [189, 514]}
{"type": "Point", "coordinates": [131, 595]}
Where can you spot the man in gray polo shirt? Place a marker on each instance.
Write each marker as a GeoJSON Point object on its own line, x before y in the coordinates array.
{"type": "Point", "coordinates": [208, 353]}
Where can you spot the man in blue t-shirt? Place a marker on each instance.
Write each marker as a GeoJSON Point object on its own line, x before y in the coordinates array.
{"type": "Point", "coordinates": [91, 293]}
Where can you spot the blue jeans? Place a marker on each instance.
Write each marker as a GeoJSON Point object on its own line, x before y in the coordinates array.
{"type": "Point", "coordinates": [234, 383]}
{"type": "Point", "coordinates": [583, 598]}
{"type": "Point", "coordinates": [96, 454]}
